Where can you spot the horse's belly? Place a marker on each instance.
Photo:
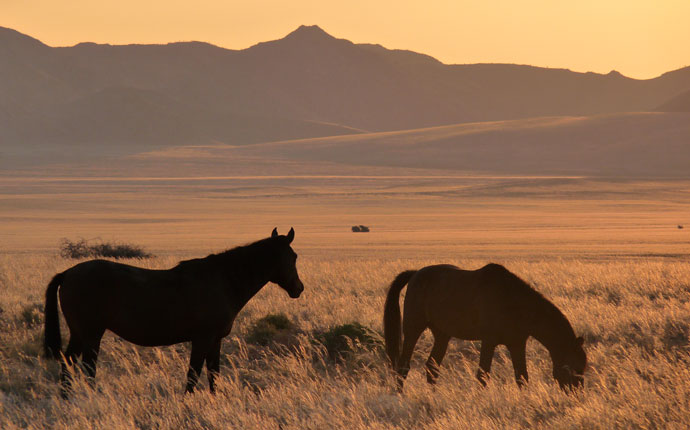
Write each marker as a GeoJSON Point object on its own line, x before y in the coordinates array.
{"type": "Point", "coordinates": [463, 331]}
{"type": "Point", "coordinates": [466, 334]}
{"type": "Point", "coordinates": [458, 321]}
{"type": "Point", "coordinates": [155, 325]}
{"type": "Point", "coordinates": [151, 336]}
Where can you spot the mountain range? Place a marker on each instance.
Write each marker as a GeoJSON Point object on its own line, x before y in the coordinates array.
{"type": "Point", "coordinates": [309, 84]}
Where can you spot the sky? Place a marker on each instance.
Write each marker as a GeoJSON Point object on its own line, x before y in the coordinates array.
{"type": "Point", "coordinates": [639, 38]}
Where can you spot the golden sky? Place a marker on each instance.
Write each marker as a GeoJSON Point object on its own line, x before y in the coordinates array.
{"type": "Point", "coordinates": [639, 38]}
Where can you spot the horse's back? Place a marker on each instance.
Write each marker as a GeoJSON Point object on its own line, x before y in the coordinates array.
{"type": "Point", "coordinates": [466, 303]}
{"type": "Point", "coordinates": [95, 286]}
{"type": "Point", "coordinates": [143, 306]}
{"type": "Point", "coordinates": [443, 281]}
{"type": "Point", "coordinates": [103, 274]}
{"type": "Point", "coordinates": [443, 297]}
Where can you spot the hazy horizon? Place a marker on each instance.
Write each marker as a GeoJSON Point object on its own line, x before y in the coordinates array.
{"type": "Point", "coordinates": [639, 39]}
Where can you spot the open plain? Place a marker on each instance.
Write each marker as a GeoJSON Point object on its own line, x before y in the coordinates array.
{"type": "Point", "coordinates": [608, 252]}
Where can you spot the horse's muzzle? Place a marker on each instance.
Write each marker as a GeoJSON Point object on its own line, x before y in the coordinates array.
{"type": "Point", "coordinates": [296, 290]}
{"type": "Point", "coordinates": [571, 381]}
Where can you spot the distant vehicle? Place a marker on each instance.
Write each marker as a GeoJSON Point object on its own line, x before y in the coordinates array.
{"type": "Point", "coordinates": [680, 227]}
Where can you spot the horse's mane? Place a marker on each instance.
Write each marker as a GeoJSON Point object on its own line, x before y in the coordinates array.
{"type": "Point", "coordinates": [243, 254]}
{"type": "Point", "coordinates": [536, 299]}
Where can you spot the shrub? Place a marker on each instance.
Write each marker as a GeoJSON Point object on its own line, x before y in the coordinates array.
{"type": "Point", "coordinates": [269, 328]}
{"type": "Point", "coordinates": [82, 249]}
{"type": "Point", "coordinates": [32, 315]}
{"type": "Point", "coordinates": [676, 334]}
{"type": "Point", "coordinates": [342, 340]}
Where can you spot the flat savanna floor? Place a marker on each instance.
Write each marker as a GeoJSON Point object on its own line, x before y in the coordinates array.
{"type": "Point", "coordinates": [607, 252]}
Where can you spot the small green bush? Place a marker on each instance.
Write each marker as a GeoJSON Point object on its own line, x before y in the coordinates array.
{"type": "Point", "coordinates": [342, 340]}
{"type": "Point", "coordinates": [268, 328]}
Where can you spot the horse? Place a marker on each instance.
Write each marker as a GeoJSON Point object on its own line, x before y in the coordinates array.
{"type": "Point", "coordinates": [195, 301]}
{"type": "Point", "coordinates": [490, 304]}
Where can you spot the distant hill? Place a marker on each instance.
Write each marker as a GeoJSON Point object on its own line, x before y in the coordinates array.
{"type": "Point", "coordinates": [308, 84]}
{"type": "Point", "coordinates": [679, 103]}
{"type": "Point", "coordinates": [629, 144]}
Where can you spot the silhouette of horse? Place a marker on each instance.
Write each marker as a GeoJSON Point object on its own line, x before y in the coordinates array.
{"type": "Point", "coordinates": [195, 301]}
{"type": "Point", "coordinates": [490, 304]}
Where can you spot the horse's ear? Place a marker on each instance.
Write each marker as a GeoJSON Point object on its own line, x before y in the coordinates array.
{"type": "Point", "coordinates": [291, 235]}
{"type": "Point", "coordinates": [275, 232]}
{"type": "Point", "coordinates": [580, 340]}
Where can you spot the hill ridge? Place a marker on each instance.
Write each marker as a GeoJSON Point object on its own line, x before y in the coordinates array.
{"type": "Point", "coordinates": [307, 84]}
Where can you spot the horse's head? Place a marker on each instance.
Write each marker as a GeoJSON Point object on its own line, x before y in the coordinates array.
{"type": "Point", "coordinates": [569, 370]}
{"type": "Point", "coordinates": [285, 273]}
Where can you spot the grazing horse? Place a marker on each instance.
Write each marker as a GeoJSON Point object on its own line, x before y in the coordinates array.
{"type": "Point", "coordinates": [490, 304]}
{"type": "Point", "coordinates": [195, 301]}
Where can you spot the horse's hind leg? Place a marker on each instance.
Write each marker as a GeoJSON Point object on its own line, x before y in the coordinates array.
{"type": "Point", "coordinates": [486, 356]}
{"type": "Point", "coordinates": [436, 357]}
{"type": "Point", "coordinates": [72, 353]}
{"type": "Point", "coordinates": [90, 354]}
{"type": "Point", "coordinates": [411, 332]}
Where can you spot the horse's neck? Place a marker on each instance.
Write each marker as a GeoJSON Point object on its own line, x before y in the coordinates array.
{"type": "Point", "coordinates": [551, 328]}
{"type": "Point", "coordinates": [245, 280]}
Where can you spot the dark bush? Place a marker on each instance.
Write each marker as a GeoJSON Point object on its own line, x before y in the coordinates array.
{"type": "Point", "coordinates": [269, 329]}
{"type": "Point", "coordinates": [355, 229]}
{"type": "Point", "coordinates": [360, 229]}
{"type": "Point", "coordinates": [676, 334]}
{"type": "Point", "coordinates": [79, 249]}
{"type": "Point", "coordinates": [32, 315]}
{"type": "Point", "coordinates": [82, 249]}
{"type": "Point", "coordinates": [341, 341]}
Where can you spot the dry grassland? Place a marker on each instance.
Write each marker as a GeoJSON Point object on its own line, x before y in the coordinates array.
{"type": "Point", "coordinates": [608, 254]}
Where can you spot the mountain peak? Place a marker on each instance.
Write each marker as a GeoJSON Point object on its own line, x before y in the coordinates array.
{"type": "Point", "coordinates": [305, 38]}
{"type": "Point", "coordinates": [309, 32]}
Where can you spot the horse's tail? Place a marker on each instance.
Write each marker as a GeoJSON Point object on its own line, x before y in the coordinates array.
{"type": "Point", "coordinates": [391, 316]}
{"type": "Point", "coordinates": [52, 343]}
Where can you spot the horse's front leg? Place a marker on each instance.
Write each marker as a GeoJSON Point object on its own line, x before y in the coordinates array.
{"type": "Point", "coordinates": [200, 349]}
{"type": "Point", "coordinates": [486, 355]}
{"type": "Point", "coordinates": [213, 364]}
{"type": "Point", "coordinates": [517, 354]}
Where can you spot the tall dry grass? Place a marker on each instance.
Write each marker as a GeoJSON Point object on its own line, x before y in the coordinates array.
{"type": "Point", "coordinates": [634, 314]}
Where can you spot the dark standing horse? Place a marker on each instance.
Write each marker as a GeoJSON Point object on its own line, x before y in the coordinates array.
{"type": "Point", "coordinates": [195, 301]}
{"type": "Point", "coordinates": [490, 304]}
